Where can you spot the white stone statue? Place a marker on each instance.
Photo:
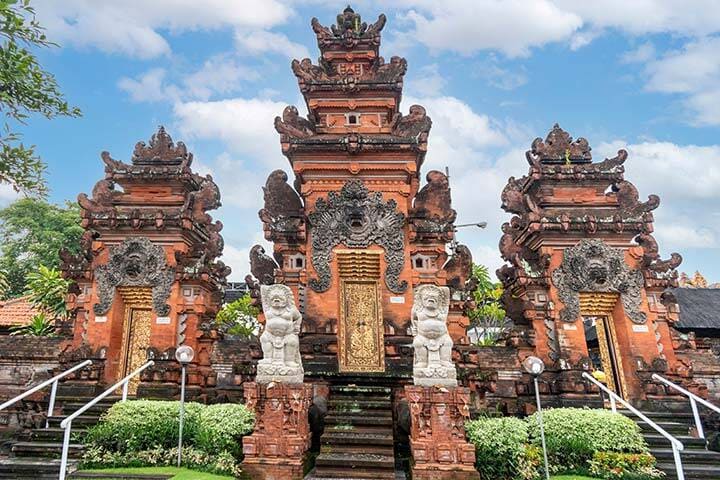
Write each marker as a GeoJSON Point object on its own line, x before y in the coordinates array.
{"type": "Point", "coordinates": [432, 343]}
{"type": "Point", "coordinates": [280, 341]}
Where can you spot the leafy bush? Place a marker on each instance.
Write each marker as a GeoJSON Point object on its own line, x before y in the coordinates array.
{"type": "Point", "coordinates": [40, 326]}
{"type": "Point", "coordinates": [624, 466]}
{"type": "Point", "coordinates": [500, 448]}
{"type": "Point", "coordinates": [145, 425]}
{"type": "Point", "coordinates": [573, 435]}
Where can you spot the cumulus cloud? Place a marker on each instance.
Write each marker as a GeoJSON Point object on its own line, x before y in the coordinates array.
{"type": "Point", "coordinates": [136, 27]}
{"type": "Point", "coordinates": [148, 87]}
{"type": "Point", "coordinates": [256, 42]}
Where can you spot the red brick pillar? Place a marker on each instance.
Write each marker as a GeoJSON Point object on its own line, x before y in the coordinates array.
{"type": "Point", "coordinates": [437, 433]}
{"type": "Point", "coordinates": [276, 449]}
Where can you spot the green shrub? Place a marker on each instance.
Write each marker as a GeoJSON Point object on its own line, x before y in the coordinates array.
{"type": "Point", "coordinates": [145, 425]}
{"type": "Point", "coordinates": [624, 466]}
{"type": "Point", "coordinates": [573, 435]}
{"type": "Point", "coordinates": [500, 448]}
{"type": "Point", "coordinates": [222, 426]}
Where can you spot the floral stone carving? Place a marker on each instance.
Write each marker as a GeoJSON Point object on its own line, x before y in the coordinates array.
{"type": "Point", "coordinates": [432, 343]}
{"type": "Point", "coordinates": [136, 262]}
{"type": "Point", "coordinates": [594, 266]}
{"type": "Point", "coordinates": [357, 218]}
{"type": "Point", "coordinates": [280, 342]}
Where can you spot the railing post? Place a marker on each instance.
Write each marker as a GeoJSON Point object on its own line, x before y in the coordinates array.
{"type": "Point", "coordinates": [613, 405]}
{"type": "Point", "coordinates": [678, 463]}
{"type": "Point", "coordinates": [125, 390]}
{"type": "Point", "coordinates": [65, 449]}
{"type": "Point", "coordinates": [51, 405]}
{"type": "Point", "coordinates": [696, 414]}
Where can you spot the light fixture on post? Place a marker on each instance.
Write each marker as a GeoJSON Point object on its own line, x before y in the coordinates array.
{"type": "Point", "coordinates": [184, 355]}
{"type": "Point", "coordinates": [535, 367]}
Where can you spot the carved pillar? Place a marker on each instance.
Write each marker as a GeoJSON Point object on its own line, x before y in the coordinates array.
{"type": "Point", "coordinates": [276, 449]}
{"type": "Point", "coordinates": [437, 433]}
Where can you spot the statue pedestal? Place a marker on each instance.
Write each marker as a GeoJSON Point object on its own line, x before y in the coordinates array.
{"type": "Point", "coordinates": [268, 371]}
{"type": "Point", "coordinates": [276, 449]}
{"type": "Point", "coordinates": [437, 433]}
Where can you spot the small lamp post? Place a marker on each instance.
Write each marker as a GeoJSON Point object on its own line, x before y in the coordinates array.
{"type": "Point", "coordinates": [184, 355]}
{"type": "Point", "coordinates": [535, 367]}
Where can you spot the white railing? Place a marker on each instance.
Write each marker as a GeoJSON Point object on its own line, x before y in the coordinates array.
{"type": "Point", "coordinates": [677, 445]}
{"type": "Point", "coordinates": [694, 400]}
{"type": "Point", "coordinates": [67, 423]}
{"type": "Point", "coordinates": [53, 391]}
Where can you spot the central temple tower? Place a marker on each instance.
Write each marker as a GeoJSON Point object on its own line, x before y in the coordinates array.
{"type": "Point", "coordinates": [356, 234]}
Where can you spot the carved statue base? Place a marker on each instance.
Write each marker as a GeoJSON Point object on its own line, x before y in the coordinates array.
{"type": "Point", "coordinates": [276, 449]}
{"type": "Point", "coordinates": [437, 433]}
{"type": "Point", "coordinates": [435, 375]}
{"type": "Point", "coordinates": [279, 372]}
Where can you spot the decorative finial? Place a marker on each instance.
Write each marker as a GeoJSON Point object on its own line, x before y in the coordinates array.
{"type": "Point", "coordinates": [161, 150]}
{"type": "Point", "coordinates": [559, 148]}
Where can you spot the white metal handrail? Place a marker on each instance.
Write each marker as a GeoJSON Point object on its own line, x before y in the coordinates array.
{"type": "Point", "coordinates": [694, 400]}
{"type": "Point", "coordinates": [677, 445]}
{"type": "Point", "coordinates": [53, 391]}
{"type": "Point", "coordinates": [67, 423]}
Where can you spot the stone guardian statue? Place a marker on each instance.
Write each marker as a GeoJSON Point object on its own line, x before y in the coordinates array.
{"type": "Point", "coordinates": [279, 340]}
{"type": "Point", "coordinates": [432, 343]}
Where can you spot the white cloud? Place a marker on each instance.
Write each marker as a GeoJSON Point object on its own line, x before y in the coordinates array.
{"type": "Point", "coordinates": [218, 75]}
{"type": "Point", "coordinates": [135, 27]}
{"type": "Point", "coordinates": [256, 42]}
{"type": "Point", "coordinates": [694, 72]}
{"type": "Point", "coordinates": [8, 194]}
{"type": "Point", "coordinates": [426, 82]}
{"type": "Point", "coordinates": [641, 54]}
{"type": "Point", "coordinates": [148, 87]}
{"type": "Point", "coordinates": [512, 27]}
{"type": "Point", "coordinates": [501, 78]}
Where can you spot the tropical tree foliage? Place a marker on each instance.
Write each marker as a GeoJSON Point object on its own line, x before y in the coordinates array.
{"type": "Point", "coordinates": [25, 89]}
{"type": "Point", "coordinates": [32, 231]}
{"type": "Point", "coordinates": [488, 317]}
{"type": "Point", "coordinates": [40, 326]}
{"type": "Point", "coordinates": [239, 317]}
{"type": "Point", "coordinates": [46, 290]}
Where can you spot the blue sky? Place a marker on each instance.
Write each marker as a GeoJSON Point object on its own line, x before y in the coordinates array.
{"type": "Point", "coordinates": [493, 75]}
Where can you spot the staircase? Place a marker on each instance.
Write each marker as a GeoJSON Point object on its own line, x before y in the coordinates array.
{"type": "Point", "coordinates": [37, 455]}
{"type": "Point", "coordinates": [358, 441]}
{"type": "Point", "coordinates": [698, 462]}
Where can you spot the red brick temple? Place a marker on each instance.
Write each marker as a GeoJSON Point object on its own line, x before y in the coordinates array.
{"type": "Point", "coordinates": [357, 228]}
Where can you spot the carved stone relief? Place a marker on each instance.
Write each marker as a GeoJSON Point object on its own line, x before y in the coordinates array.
{"type": "Point", "coordinates": [432, 364]}
{"type": "Point", "coordinates": [594, 266]}
{"type": "Point", "coordinates": [357, 218]}
{"type": "Point", "coordinates": [281, 360]}
{"type": "Point", "coordinates": [136, 262]}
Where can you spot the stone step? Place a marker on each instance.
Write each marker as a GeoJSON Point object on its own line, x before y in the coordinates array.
{"type": "Point", "coordinates": [359, 437]}
{"type": "Point", "coordinates": [359, 403]}
{"type": "Point", "coordinates": [689, 457]}
{"type": "Point", "coordinates": [355, 460]}
{"type": "Point", "coordinates": [336, 397]}
{"type": "Point", "coordinates": [690, 443]}
{"type": "Point", "coordinates": [79, 422]}
{"type": "Point", "coordinates": [55, 434]}
{"type": "Point", "coordinates": [45, 449]}
{"type": "Point", "coordinates": [351, 420]}
{"type": "Point", "coordinates": [692, 472]}
{"type": "Point", "coordinates": [32, 468]}
{"type": "Point", "coordinates": [353, 448]}
{"type": "Point", "coordinates": [68, 408]}
{"type": "Point", "coordinates": [351, 474]}
{"type": "Point", "coordinates": [672, 428]}
{"type": "Point", "coordinates": [360, 390]}
{"type": "Point", "coordinates": [361, 411]}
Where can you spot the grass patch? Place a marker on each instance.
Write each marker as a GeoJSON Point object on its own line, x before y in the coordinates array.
{"type": "Point", "coordinates": [179, 473]}
{"type": "Point", "coordinates": [573, 477]}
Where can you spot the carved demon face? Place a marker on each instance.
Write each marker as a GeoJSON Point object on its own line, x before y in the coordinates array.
{"type": "Point", "coordinates": [134, 265]}
{"type": "Point", "coordinates": [278, 300]}
{"type": "Point", "coordinates": [431, 301]}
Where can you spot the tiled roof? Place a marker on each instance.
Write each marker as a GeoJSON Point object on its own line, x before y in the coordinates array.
{"type": "Point", "coordinates": [699, 308]}
{"type": "Point", "coordinates": [17, 311]}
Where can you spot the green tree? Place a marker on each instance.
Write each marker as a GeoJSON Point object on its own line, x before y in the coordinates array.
{"type": "Point", "coordinates": [25, 89]}
{"type": "Point", "coordinates": [32, 231]}
{"type": "Point", "coordinates": [488, 317]}
{"type": "Point", "coordinates": [40, 326]}
{"type": "Point", "coordinates": [46, 290]}
{"type": "Point", "coordinates": [239, 317]}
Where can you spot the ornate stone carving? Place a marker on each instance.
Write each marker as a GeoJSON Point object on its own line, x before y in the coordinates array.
{"type": "Point", "coordinates": [136, 262]}
{"type": "Point", "coordinates": [629, 199]}
{"type": "Point", "coordinates": [262, 266]}
{"type": "Point", "coordinates": [593, 266]}
{"type": "Point", "coordinates": [283, 210]}
{"type": "Point", "coordinates": [432, 207]}
{"type": "Point", "coordinates": [161, 150]}
{"type": "Point", "coordinates": [357, 218]}
{"type": "Point", "coordinates": [293, 125]}
{"type": "Point", "coordinates": [559, 147]}
{"type": "Point", "coordinates": [414, 125]}
{"type": "Point", "coordinates": [432, 343]}
{"type": "Point", "coordinates": [207, 197]}
{"type": "Point", "coordinates": [459, 269]}
{"type": "Point", "coordinates": [349, 27]}
{"type": "Point", "coordinates": [280, 341]}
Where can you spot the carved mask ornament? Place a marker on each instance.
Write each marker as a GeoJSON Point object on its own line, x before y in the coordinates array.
{"type": "Point", "coordinates": [357, 218]}
{"type": "Point", "coordinates": [136, 262]}
{"type": "Point", "coordinates": [593, 266]}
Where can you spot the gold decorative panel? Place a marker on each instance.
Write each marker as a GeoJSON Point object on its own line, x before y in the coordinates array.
{"type": "Point", "coordinates": [597, 303]}
{"type": "Point", "coordinates": [361, 345]}
{"type": "Point", "coordinates": [135, 342]}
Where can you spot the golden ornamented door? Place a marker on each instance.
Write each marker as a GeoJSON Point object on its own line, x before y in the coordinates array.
{"type": "Point", "coordinates": [361, 332]}
{"type": "Point", "coordinates": [135, 342]}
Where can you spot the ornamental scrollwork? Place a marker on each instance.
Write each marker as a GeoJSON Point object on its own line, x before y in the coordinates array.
{"type": "Point", "coordinates": [594, 266]}
{"type": "Point", "coordinates": [357, 218]}
{"type": "Point", "coordinates": [136, 262]}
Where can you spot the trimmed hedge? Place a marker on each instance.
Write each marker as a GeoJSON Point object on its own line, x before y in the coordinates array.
{"type": "Point", "coordinates": [131, 429]}
{"type": "Point", "coordinates": [624, 466]}
{"type": "Point", "coordinates": [509, 448]}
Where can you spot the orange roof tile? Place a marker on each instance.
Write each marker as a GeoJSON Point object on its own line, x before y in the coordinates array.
{"type": "Point", "coordinates": [16, 311]}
